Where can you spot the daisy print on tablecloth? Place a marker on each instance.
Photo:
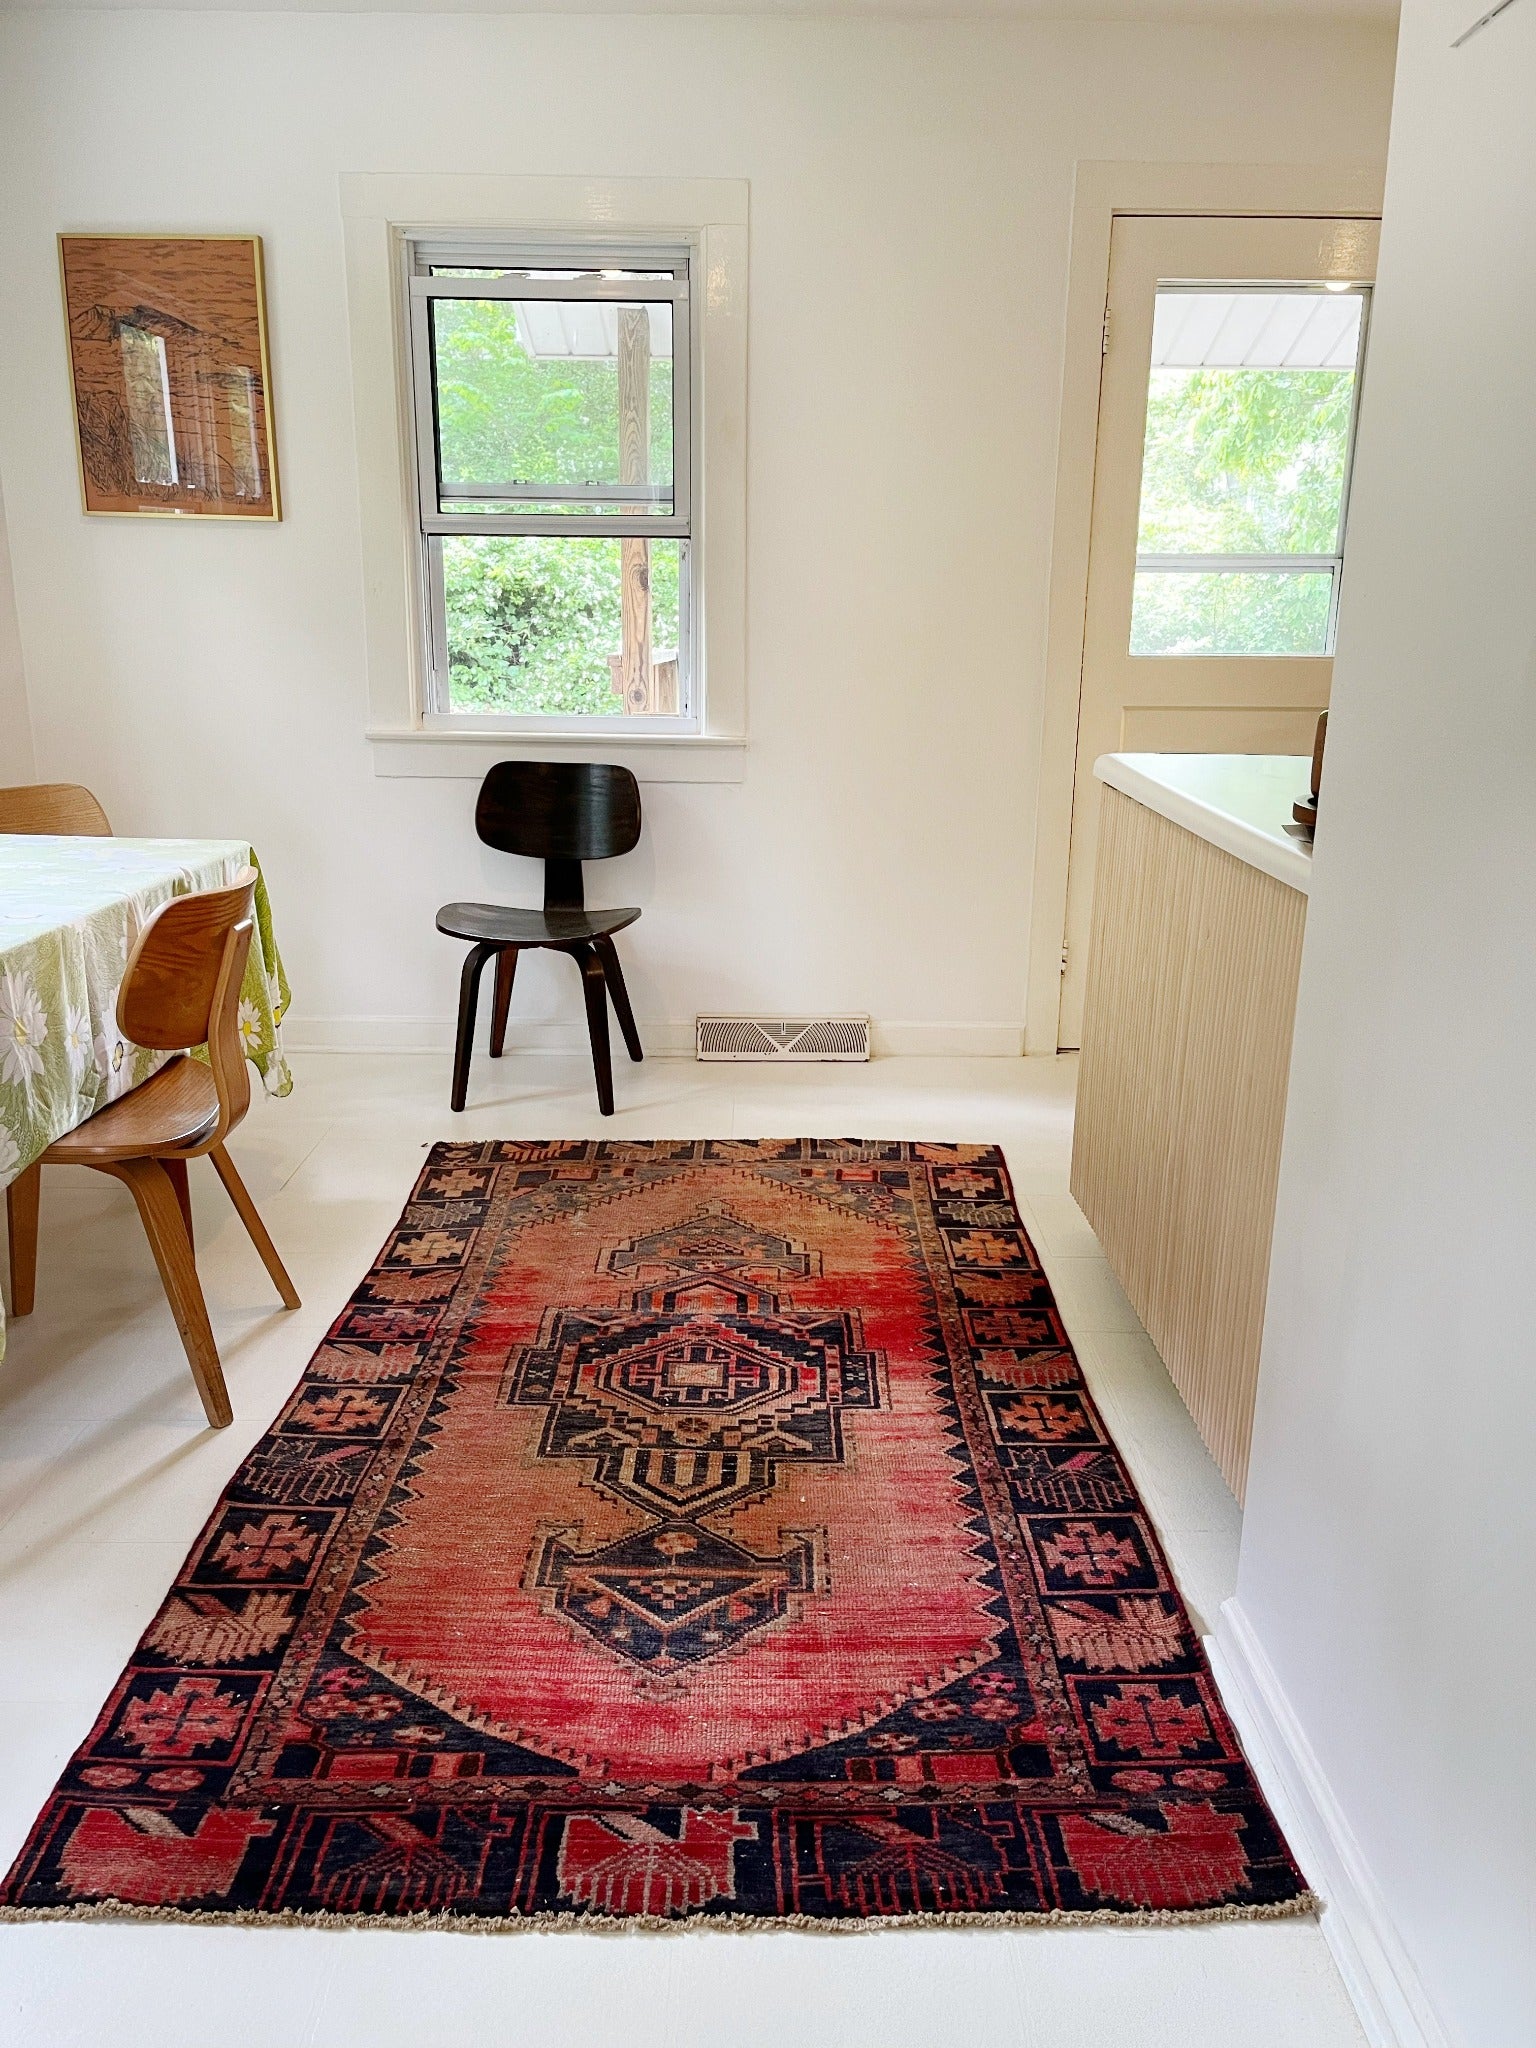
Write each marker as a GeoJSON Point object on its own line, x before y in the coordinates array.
{"type": "Point", "coordinates": [249, 1020]}
{"type": "Point", "coordinates": [78, 1045]}
{"type": "Point", "coordinates": [23, 1028]}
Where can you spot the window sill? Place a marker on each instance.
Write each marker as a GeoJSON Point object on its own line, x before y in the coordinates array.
{"type": "Point", "coordinates": [653, 757]}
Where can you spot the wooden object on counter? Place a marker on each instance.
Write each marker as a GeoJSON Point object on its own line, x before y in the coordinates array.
{"type": "Point", "coordinates": [1305, 812]}
{"type": "Point", "coordinates": [1181, 1100]}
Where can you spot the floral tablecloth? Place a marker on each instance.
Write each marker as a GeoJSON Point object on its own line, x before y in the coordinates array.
{"type": "Point", "coordinates": [70, 911]}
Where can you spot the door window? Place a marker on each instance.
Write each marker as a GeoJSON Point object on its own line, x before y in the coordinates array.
{"type": "Point", "coordinates": [1245, 469]}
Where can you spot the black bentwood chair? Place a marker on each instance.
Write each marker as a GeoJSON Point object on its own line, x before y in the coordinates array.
{"type": "Point", "coordinates": [560, 812]}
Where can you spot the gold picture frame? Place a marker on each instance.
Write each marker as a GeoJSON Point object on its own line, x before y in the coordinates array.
{"type": "Point", "coordinates": [170, 374]}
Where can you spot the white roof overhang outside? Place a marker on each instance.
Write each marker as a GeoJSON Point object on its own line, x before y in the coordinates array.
{"type": "Point", "coordinates": [584, 329]}
{"type": "Point", "coordinates": [1300, 329]}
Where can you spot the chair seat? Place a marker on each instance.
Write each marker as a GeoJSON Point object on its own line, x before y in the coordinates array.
{"type": "Point", "coordinates": [501, 925]}
{"type": "Point", "coordinates": [174, 1111]}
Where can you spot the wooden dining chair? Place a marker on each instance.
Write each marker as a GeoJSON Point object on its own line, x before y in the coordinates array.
{"type": "Point", "coordinates": [65, 808]}
{"type": "Point", "coordinates": [563, 813]}
{"type": "Point", "coordinates": [181, 988]}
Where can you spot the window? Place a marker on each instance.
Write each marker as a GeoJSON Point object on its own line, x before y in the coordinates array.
{"type": "Point", "coordinates": [1245, 469]}
{"type": "Point", "coordinates": [551, 400]}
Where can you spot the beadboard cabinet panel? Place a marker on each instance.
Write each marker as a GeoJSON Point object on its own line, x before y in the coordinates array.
{"type": "Point", "coordinates": [1181, 1100]}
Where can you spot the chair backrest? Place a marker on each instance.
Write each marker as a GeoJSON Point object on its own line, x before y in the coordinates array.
{"type": "Point", "coordinates": [65, 808]}
{"type": "Point", "coordinates": [560, 812]}
{"type": "Point", "coordinates": [181, 986]}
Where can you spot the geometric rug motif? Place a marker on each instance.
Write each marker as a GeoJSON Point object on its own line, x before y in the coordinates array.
{"type": "Point", "coordinates": [697, 1530]}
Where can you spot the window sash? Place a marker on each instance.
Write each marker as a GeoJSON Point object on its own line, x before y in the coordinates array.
{"type": "Point", "coordinates": [519, 252]}
{"type": "Point", "coordinates": [684, 720]}
{"type": "Point", "coordinates": [628, 291]}
{"type": "Point", "coordinates": [676, 525]}
{"type": "Point", "coordinates": [565, 494]}
{"type": "Point", "coordinates": [1331, 566]}
{"type": "Point", "coordinates": [1222, 565]}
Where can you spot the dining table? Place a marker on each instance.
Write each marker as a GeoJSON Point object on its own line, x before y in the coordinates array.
{"type": "Point", "coordinates": [70, 912]}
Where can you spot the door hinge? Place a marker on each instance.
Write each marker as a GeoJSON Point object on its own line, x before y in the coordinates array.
{"type": "Point", "coordinates": [1063, 959]}
{"type": "Point", "coordinates": [1104, 335]}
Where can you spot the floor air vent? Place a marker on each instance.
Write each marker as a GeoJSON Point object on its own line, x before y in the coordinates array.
{"type": "Point", "coordinates": [783, 1038]}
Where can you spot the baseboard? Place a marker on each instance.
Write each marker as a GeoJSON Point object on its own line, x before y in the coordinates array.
{"type": "Point", "coordinates": [665, 1038]}
{"type": "Point", "coordinates": [1378, 1973]}
{"type": "Point", "coordinates": [948, 1041]}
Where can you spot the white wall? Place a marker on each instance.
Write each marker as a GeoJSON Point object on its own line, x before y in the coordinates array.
{"type": "Point", "coordinates": [17, 762]}
{"type": "Point", "coordinates": [1389, 1548]}
{"type": "Point", "coordinates": [910, 192]}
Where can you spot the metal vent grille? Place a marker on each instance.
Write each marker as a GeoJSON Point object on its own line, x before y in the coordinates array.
{"type": "Point", "coordinates": [783, 1038]}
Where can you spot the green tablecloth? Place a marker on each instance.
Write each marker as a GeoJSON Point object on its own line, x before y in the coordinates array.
{"type": "Point", "coordinates": [70, 910]}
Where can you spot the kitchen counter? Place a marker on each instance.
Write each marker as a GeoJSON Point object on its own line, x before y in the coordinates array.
{"type": "Point", "coordinates": [1239, 802]}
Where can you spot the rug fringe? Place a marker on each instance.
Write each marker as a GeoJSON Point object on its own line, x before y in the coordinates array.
{"type": "Point", "coordinates": [1304, 1903]}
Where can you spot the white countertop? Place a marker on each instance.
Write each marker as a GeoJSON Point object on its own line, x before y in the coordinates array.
{"type": "Point", "coordinates": [1239, 802]}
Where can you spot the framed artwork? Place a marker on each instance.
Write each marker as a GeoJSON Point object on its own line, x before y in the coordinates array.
{"type": "Point", "coordinates": [168, 359]}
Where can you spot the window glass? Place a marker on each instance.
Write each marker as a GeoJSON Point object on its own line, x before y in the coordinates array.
{"type": "Point", "coordinates": [1232, 612]}
{"type": "Point", "coordinates": [1245, 466]}
{"type": "Point", "coordinates": [553, 405]}
{"type": "Point", "coordinates": [536, 624]}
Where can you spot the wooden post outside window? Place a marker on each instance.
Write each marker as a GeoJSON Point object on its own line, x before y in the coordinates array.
{"type": "Point", "coordinates": [636, 678]}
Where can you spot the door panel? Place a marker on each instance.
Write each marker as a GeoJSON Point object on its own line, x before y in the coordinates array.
{"type": "Point", "coordinates": [1217, 729]}
{"type": "Point", "coordinates": [1288, 310]}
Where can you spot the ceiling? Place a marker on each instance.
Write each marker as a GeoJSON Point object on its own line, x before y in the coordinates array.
{"type": "Point", "coordinates": [1227, 13]}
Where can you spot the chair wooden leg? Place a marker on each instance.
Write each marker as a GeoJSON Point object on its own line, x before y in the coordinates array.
{"type": "Point", "coordinates": [176, 1174]}
{"type": "Point", "coordinates": [469, 992]}
{"type": "Point", "coordinates": [160, 1212]}
{"type": "Point", "coordinates": [250, 1216]}
{"type": "Point", "coordinates": [506, 969]}
{"type": "Point", "coordinates": [21, 1205]}
{"type": "Point", "coordinates": [608, 953]}
{"type": "Point", "coordinates": [595, 988]}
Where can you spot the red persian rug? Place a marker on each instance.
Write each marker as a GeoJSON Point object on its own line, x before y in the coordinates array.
{"type": "Point", "coordinates": [702, 1530]}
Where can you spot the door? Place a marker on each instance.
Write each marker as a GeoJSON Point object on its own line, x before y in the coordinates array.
{"type": "Point", "coordinates": [1221, 484]}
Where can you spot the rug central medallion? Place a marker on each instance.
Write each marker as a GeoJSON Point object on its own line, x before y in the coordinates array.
{"type": "Point", "coordinates": [695, 1528]}
{"type": "Point", "coordinates": [687, 1400]}
{"type": "Point", "coordinates": [677, 1457]}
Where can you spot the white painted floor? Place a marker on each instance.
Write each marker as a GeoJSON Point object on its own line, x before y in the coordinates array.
{"type": "Point", "coordinates": [107, 1472]}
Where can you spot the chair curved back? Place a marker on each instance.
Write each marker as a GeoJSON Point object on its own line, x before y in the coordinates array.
{"type": "Point", "coordinates": [65, 808]}
{"type": "Point", "coordinates": [559, 810]}
{"type": "Point", "coordinates": [181, 986]}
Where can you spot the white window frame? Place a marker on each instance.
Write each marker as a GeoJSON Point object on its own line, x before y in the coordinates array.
{"type": "Point", "coordinates": [383, 217]}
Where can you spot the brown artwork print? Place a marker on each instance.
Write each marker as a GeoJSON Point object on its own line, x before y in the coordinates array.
{"type": "Point", "coordinates": [690, 1530]}
{"type": "Point", "coordinates": [167, 343]}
